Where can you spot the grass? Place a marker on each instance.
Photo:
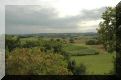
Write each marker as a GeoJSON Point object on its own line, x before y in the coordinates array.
{"type": "Point", "coordinates": [96, 64]}
{"type": "Point", "coordinates": [100, 64]}
{"type": "Point", "coordinates": [74, 49]}
{"type": "Point", "coordinates": [29, 38]}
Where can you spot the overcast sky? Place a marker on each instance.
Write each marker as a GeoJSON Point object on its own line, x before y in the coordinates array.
{"type": "Point", "coordinates": [51, 16]}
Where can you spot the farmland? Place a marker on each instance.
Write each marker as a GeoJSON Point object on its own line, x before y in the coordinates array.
{"type": "Point", "coordinates": [50, 40]}
{"type": "Point", "coordinates": [57, 47]}
{"type": "Point", "coordinates": [96, 64]}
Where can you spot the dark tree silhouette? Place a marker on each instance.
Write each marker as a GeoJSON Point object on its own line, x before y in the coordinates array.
{"type": "Point", "coordinates": [118, 39]}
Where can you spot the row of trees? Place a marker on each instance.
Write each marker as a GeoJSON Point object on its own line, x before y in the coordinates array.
{"type": "Point", "coordinates": [13, 42]}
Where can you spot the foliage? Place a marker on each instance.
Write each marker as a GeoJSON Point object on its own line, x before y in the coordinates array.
{"type": "Point", "coordinates": [11, 42]}
{"type": "Point", "coordinates": [30, 44]}
{"type": "Point", "coordinates": [81, 70]}
{"type": "Point", "coordinates": [33, 62]}
{"type": "Point", "coordinates": [96, 64]}
{"type": "Point", "coordinates": [96, 53]}
{"type": "Point", "coordinates": [71, 40]}
{"type": "Point", "coordinates": [51, 56]}
{"type": "Point", "coordinates": [45, 45]}
{"type": "Point", "coordinates": [66, 55]}
{"type": "Point", "coordinates": [76, 70]}
{"type": "Point", "coordinates": [118, 39]}
{"type": "Point", "coordinates": [77, 50]}
{"type": "Point", "coordinates": [72, 65]}
{"type": "Point", "coordinates": [58, 40]}
{"type": "Point", "coordinates": [54, 46]}
{"type": "Point", "coordinates": [107, 29]}
{"type": "Point", "coordinates": [92, 42]}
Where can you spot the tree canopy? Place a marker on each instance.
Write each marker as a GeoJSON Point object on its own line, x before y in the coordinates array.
{"type": "Point", "coordinates": [107, 29]}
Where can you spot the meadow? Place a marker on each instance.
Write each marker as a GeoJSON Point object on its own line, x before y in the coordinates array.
{"type": "Point", "coordinates": [97, 61]}
{"type": "Point", "coordinates": [96, 64]}
{"type": "Point", "coordinates": [57, 54]}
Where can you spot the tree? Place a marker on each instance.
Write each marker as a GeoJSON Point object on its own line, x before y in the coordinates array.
{"type": "Point", "coordinates": [72, 65]}
{"type": "Point", "coordinates": [11, 42]}
{"type": "Point", "coordinates": [71, 40]}
{"type": "Point", "coordinates": [118, 39]}
{"type": "Point", "coordinates": [58, 40]}
{"type": "Point", "coordinates": [91, 42]}
{"type": "Point", "coordinates": [107, 29]}
{"type": "Point", "coordinates": [81, 70]}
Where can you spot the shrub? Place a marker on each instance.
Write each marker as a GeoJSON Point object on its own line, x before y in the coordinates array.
{"type": "Point", "coordinates": [71, 65]}
{"type": "Point", "coordinates": [71, 40]}
{"type": "Point", "coordinates": [58, 40]}
{"type": "Point", "coordinates": [34, 62]}
{"type": "Point", "coordinates": [66, 55]}
{"type": "Point", "coordinates": [11, 42]}
{"type": "Point", "coordinates": [92, 42]}
{"type": "Point", "coordinates": [96, 53]}
{"type": "Point", "coordinates": [76, 70]}
{"type": "Point", "coordinates": [30, 44]}
{"type": "Point", "coordinates": [54, 46]}
{"type": "Point", "coordinates": [81, 70]}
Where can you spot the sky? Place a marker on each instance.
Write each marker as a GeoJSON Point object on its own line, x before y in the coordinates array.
{"type": "Point", "coordinates": [51, 16]}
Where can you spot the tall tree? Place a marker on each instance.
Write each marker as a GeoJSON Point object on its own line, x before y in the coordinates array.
{"type": "Point", "coordinates": [107, 29]}
{"type": "Point", "coordinates": [118, 39]}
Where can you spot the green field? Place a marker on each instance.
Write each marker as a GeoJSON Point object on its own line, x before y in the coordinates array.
{"type": "Point", "coordinates": [73, 50]}
{"type": "Point", "coordinates": [96, 60]}
{"type": "Point", "coordinates": [100, 64]}
{"type": "Point", "coordinates": [96, 64]}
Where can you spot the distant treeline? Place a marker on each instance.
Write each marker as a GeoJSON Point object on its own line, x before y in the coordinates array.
{"type": "Point", "coordinates": [57, 35]}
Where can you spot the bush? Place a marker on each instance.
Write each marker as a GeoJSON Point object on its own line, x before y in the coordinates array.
{"type": "Point", "coordinates": [54, 46]}
{"type": "Point", "coordinates": [30, 44]}
{"type": "Point", "coordinates": [81, 70]}
{"type": "Point", "coordinates": [66, 55]}
{"type": "Point", "coordinates": [71, 65]}
{"type": "Point", "coordinates": [71, 40]}
{"type": "Point", "coordinates": [96, 53]}
{"type": "Point", "coordinates": [58, 40]}
{"type": "Point", "coordinates": [92, 42]}
{"type": "Point", "coordinates": [34, 62]}
{"type": "Point", "coordinates": [11, 42]}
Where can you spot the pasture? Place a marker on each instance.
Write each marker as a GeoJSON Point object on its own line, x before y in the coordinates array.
{"type": "Point", "coordinates": [96, 64]}
{"type": "Point", "coordinates": [95, 59]}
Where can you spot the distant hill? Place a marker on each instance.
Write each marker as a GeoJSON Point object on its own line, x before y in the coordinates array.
{"type": "Point", "coordinates": [58, 34]}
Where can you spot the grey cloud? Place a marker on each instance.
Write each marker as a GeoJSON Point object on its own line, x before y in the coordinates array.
{"type": "Point", "coordinates": [93, 14]}
{"type": "Point", "coordinates": [27, 18]}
